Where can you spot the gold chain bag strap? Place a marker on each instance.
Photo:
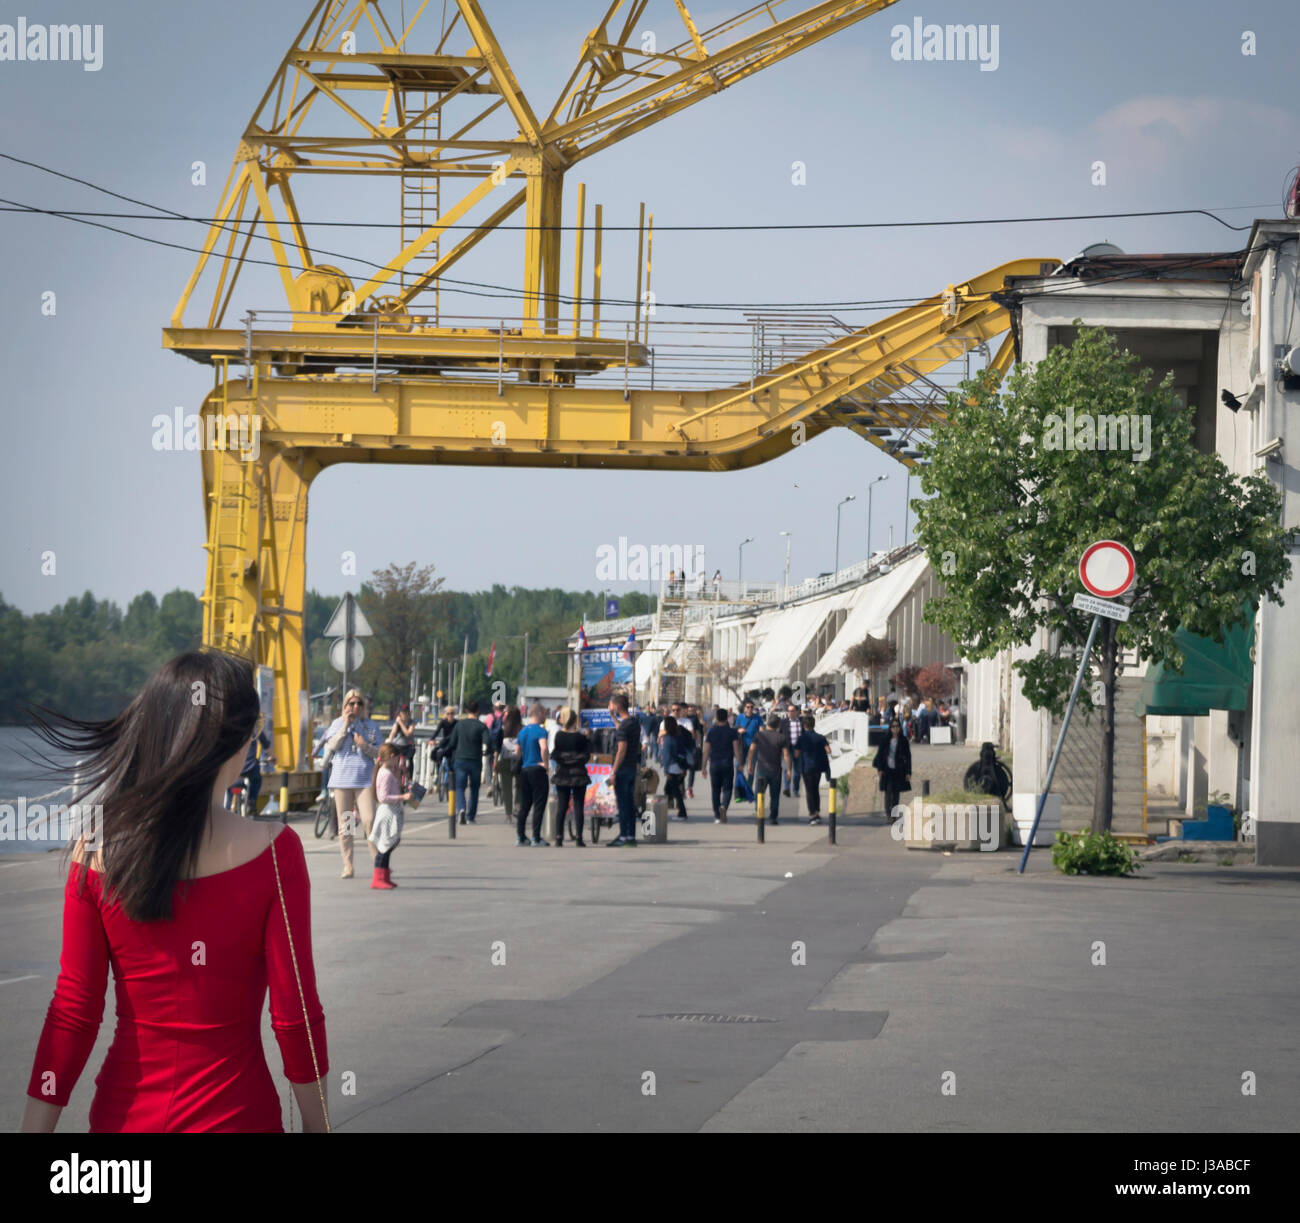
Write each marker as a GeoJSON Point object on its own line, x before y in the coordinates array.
{"type": "Point", "coordinates": [293, 955]}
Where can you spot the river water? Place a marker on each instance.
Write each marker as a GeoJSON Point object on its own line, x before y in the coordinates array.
{"type": "Point", "coordinates": [21, 779]}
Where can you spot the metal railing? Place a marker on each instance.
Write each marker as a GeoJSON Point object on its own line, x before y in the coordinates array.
{"type": "Point", "coordinates": [685, 355]}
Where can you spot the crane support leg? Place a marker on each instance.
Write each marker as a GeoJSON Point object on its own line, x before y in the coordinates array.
{"type": "Point", "coordinates": [255, 495]}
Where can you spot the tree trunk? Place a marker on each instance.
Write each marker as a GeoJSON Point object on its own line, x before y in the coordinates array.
{"type": "Point", "coordinates": [1103, 803]}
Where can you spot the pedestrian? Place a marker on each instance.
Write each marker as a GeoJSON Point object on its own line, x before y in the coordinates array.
{"type": "Point", "coordinates": [924, 719]}
{"type": "Point", "coordinates": [197, 912]}
{"type": "Point", "coordinates": [402, 737]}
{"type": "Point", "coordinates": [498, 717]}
{"type": "Point", "coordinates": [572, 751]}
{"type": "Point", "coordinates": [893, 762]}
{"type": "Point", "coordinates": [250, 772]}
{"type": "Point", "coordinates": [672, 741]}
{"type": "Point", "coordinates": [468, 744]}
{"type": "Point", "coordinates": [684, 722]}
{"type": "Point", "coordinates": [814, 763]}
{"type": "Point", "coordinates": [721, 759]}
{"type": "Point", "coordinates": [627, 761]}
{"type": "Point", "coordinates": [354, 741]}
{"type": "Point", "coordinates": [770, 751]}
{"type": "Point", "coordinates": [441, 738]}
{"type": "Point", "coordinates": [387, 829]}
{"type": "Point", "coordinates": [508, 758]}
{"type": "Point", "coordinates": [534, 784]}
{"type": "Point", "coordinates": [790, 725]}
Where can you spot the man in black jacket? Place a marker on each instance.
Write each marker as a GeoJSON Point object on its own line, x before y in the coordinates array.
{"type": "Point", "coordinates": [468, 742]}
{"type": "Point", "coordinates": [770, 751]}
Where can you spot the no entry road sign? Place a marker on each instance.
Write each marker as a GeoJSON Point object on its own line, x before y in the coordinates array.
{"type": "Point", "coordinates": [1107, 569]}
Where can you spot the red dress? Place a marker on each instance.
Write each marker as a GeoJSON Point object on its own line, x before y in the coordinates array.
{"type": "Point", "coordinates": [187, 1052]}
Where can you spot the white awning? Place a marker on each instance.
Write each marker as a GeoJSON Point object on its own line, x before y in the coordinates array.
{"type": "Point", "coordinates": [785, 635]}
{"type": "Point", "coordinates": [877, 601]}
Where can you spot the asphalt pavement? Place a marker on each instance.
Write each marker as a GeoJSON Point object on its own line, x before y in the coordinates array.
{"type": "Point", "coordinates": [713, 983]}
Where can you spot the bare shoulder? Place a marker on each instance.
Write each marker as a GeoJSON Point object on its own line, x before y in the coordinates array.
{"type": "Point", "coordinates": [232, 841]}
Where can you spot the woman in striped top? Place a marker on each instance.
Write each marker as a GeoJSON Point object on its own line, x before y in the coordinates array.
{"type": "Point", "coordinates": [352, 743]}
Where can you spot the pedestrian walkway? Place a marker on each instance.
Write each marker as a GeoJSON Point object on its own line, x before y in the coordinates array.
{"type": "Point", "coordinates": [764, 987]}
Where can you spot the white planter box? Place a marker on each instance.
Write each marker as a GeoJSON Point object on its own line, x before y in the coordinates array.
{"type": "Point", "coordinates": [1023, 807]}
{"type": "Point", "coordinates": [961, 834]}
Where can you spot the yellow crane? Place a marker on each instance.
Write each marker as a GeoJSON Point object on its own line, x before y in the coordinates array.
{"type": "Point", "coordinates": [380, 372]}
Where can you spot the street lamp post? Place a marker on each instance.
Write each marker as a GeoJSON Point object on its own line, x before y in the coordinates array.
{"type": "Point", "coordinates": [785, 588]}
{"type": "Point", "coordinates": [842, 504]}
{"type": "Point", "coordinates": [740, 563]}
{"type": "Point", "coordinates": [871, 488]}
{"type": "Point", "coordinates": [907, 498]}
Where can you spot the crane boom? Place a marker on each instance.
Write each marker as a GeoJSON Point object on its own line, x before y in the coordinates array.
{"type": "Point", "coordinates": [354, 373]}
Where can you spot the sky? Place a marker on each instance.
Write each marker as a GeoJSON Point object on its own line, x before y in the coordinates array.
{"type": "Point", "coordinates": [1159, 92]}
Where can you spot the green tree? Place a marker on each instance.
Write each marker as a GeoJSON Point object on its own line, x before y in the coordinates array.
{"type": "Point", "coordinates": [400, 602]}
{"type": "Point", "coordinates": [1010, 511]}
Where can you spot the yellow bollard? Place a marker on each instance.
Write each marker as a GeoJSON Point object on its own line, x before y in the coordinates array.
{"type": "Point", "coordinates": [451, 814]}
{"type": "Point", "coordinates": [830, 811]}
{"type": "Point", "coordinates": [759, 813]}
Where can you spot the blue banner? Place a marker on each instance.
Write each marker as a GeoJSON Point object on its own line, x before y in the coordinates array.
{"type": "Point", "coordinates": [604, 672]}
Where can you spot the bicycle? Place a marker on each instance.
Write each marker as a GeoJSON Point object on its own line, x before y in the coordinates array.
{"type": "Point", "coordinates": [444, 782]}
{"type": "Point", "coordinates": [325, 817]}
{"type": "Point", "coordinates": [494, 785]}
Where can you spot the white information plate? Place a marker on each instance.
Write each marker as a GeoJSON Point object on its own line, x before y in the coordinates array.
{"type": "Point", "coordinates": [1100, 607]}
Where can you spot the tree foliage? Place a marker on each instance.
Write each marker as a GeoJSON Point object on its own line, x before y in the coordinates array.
{"type": "Point", "coordinates": [904, 681]}
{"type": "Point", "coordinates": [935, 682]}
{"type": "Point", "coordinates": [86, 657]}
{"type": "Point", "coordinates": [870, 654]}
{"type": "Point", "coordinates": [89, 658]}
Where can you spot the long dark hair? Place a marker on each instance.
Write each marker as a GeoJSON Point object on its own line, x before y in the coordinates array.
{"type": "Point", "coordinates": [153, 768]}
{"type": "Point", "coordinates": [513, 723]}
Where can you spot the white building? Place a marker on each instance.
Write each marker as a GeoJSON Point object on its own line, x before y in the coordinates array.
{"type": "Point", "coordinates": [1221, 322]}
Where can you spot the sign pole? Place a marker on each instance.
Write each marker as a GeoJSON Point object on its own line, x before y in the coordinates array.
{"type": "Point", "coordinates": [1060, 740]}
{"type": "Point", "coordinates": [464, 660]}
{"type": "Point", "coordinates": [347, 638]}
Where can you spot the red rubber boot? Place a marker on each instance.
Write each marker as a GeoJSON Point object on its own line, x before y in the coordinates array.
{"type": "Point", "coordinates": [379, 881]}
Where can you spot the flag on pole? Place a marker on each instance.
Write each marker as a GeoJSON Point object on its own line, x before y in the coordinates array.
{"type": "Point", "coordinates": [629, 646]}
{"type": "Point", "coordinates": [492, 657]}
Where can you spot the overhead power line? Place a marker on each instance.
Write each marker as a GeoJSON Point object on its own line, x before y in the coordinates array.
{"type": "Point", "coordinates": [495, 291]}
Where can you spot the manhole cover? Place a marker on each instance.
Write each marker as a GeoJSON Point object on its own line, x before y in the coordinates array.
{"type": "Point", "coordinates": [708, 1017]}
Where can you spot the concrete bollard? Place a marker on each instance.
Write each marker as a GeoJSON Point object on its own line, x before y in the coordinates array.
{"type": "Point", "coordinates": [548, 823]}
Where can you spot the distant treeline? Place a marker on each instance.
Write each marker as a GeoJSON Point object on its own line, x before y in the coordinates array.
{"type": "Point", "coordinates": [88, 657]}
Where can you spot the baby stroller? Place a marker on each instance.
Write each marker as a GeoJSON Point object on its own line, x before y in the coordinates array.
{"type": "Point", "coordinates": [988, 775]}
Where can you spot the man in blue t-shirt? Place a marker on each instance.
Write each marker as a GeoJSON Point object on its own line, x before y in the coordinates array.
{"type": "Point", "coordinates": [722, 756]}
{"type": "Point", "coordinates": [627, 758]}
{"type": "Point", "coordinates": [749, 724]}
{"type": "Point", "coordinates": [534, 785]}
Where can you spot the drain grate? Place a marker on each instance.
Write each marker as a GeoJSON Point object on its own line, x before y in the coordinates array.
{"type": "Point", "coordinates": [709, 1017]}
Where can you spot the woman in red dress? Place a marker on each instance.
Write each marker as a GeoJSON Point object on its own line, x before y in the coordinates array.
{"type": "Point", "coordinates": [197, 911]}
